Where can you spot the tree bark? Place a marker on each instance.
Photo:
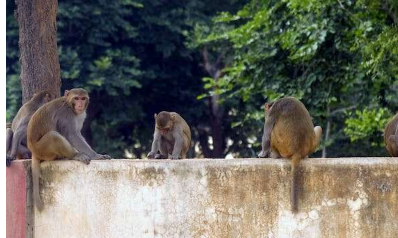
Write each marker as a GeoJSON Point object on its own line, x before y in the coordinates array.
{"type": "Point", "coordinates": [214, 70]}
{"type": "Point", "coordinates": [39, 60]}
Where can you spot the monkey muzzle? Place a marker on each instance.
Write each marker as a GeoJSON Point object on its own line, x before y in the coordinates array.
{"type": "Point", "coordinates": [164, 131]}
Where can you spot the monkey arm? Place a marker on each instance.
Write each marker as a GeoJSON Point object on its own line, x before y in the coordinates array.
{"type": "Point", "coordinates": [178, 142]}
{"type": "Point", "coordinates": [155, 143]}
{"type": "Point", "coordinates": [79, 143]}
{"type": "Point", "coordinates": [266, 140]}
{"type": "Point", "coordinates": [9, 135]}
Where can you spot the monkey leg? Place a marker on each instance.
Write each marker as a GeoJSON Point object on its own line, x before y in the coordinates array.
{"type": "Point", "coordinates": [318, 137]}
{"type": "Point", "coordinates": [9, 135]}
{"type": "Point", "coordinates": [23, 152]}
{"type": "Point", "coordinates": [18, 136]}
{"type": "Point", "coordinates": [164, 148]}
{"type": "Point", "coordinates": [53, 145]}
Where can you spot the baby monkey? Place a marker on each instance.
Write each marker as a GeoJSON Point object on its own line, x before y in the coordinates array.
{"type": "Point", "coordinates": [172, 136]}
{"type": "Point", "coordinates": [289, 132]}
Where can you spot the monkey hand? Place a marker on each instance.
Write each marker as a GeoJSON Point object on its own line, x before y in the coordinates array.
{"type": "Point", "coordinates": [102, 157]}
{"type": "Point", "coordinates": [263, 154]}
{"type": "Point", "coordinates": [175, 157]}
{"type": "Point", "coordinates": [151, 155]}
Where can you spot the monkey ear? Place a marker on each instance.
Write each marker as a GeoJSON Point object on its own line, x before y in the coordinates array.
{"type": "Point", "coordinates": [267, 106]}
{"type": "Point", "coordinates": [173, 117]}
{"type": "Point", "coordinates": [155, 115]}
{"type": "Point", "coordinates": [66, 93]}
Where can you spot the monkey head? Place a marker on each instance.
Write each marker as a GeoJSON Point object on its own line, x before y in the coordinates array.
{"type": "Point", "coordinates": [164, 122]}
{"type": "Point", "coordinates": [77, 99]}
{"type": "Point", "coordinates": [43, 97]}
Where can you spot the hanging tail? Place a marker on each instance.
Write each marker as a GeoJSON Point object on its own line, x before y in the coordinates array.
{"type": "Point", "coordinates": [294, 191]}
{"type": "Point", "coordinates": [36, 183]}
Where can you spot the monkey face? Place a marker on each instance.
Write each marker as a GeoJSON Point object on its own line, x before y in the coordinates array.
{"type": "Point", "coordinates": [79, 104]}
{"type": "Point", "coordinates": [164, 122]}
{"type": "Point", "coordinates": [164, 130]}
{"type": "Point", "coordinates": [77, 99]}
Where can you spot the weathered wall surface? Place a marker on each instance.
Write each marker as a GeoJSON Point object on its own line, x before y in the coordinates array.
{"type": "Point", "coordinates": [345, 197]}
{"type": "Point", "coordinates": [19, 219]}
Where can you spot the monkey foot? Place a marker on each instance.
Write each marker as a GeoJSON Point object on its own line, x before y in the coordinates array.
{"type": "Point", "coordinates": [9, 160]}
{"type": "Point", "coordinates": [82, 157]}
{"type": "Point", "coordinates": [151, 155]}
{"type": "Point", "coordinates": [174, 157]}
{"type": "Point", "coordinates": [160, 156]}
{"type": "Point", "coordinates": [103, 157]}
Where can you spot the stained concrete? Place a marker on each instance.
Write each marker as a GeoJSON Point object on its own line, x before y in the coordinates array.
{"type": "Point", "coordinates": [344, 197]}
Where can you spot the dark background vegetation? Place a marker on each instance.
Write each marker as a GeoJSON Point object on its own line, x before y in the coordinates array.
{"type": "Point", "coordinates": [217, 62]}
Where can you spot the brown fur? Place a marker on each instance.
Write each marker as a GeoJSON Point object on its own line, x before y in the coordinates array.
{"type": "Point", "coordinates": [172, 136]}
{"type": "Point", "coordinates": [391, 136]}
{"type": "Point", "coordinates": [54, 132]}
{"type": "Point", "coordinates": [16, 132]}
{"type": "Point", "coordinates": [290, 134]}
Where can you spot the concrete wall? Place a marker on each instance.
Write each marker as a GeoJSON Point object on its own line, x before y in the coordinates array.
{"type": "Point", "coordinates": [345, 197]}
{"type": "Point", "coordinates": [19, 209]}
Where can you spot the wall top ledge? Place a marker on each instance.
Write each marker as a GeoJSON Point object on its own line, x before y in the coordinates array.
{"type": "Point", "coordinates": [352, 161]}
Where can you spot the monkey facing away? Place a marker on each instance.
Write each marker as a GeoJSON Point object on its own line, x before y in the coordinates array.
{"type": "Point", "coordinates": [54, 132]}
{"type": "Point", "coordinates": [172, 136]}
{"type": "Point", "coordinates": [289, 133]}
{"type": "Point", "coordinates": [16, 134]}
{"type": "Point", "coordinates": [391, 136]}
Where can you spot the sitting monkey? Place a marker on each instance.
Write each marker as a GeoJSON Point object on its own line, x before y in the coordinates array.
{"type": "Point", "coordinates": [54, 132]}
{"type": "Point", "coordinates": [289, 132]}
{"type": "Point", "coordinates": [16, 145]}
{"type": "Point", "coordinates": [172, 136]}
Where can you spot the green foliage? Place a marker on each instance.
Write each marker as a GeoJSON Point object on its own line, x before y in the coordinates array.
{"type": "Point", "coordinates": [333, 55]}
{"type": "Point", "coordinates": [132, 57]}
{"type": "Point", "coordinates": [367, 124]}
{"type": "Point", "coordinates": [140, 57]}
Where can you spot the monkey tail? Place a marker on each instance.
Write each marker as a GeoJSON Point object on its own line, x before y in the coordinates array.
{"type": "Point", "coordinates": [294, 191]}
{"type": "Point", "coordinates": [36, 183]}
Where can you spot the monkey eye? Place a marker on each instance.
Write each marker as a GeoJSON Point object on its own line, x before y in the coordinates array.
{"type": "Point", "coordinates": [83, 98]}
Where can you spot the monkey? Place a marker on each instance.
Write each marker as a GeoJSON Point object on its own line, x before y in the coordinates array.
{"type": "Point", "coordinates": [289, 133]}
{"type": "Point", "coordinates": [172, 136]}
{"type": "Point", "coordinates": [391, 136]}
{"type": "Point", "coordinates": [16, 145]}
{"type": "Point", "coordinates": [54, 131]}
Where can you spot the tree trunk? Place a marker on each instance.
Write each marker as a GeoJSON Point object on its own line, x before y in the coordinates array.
{"type": "Point", "coordinates": [214, 70]}
{"type": "Point", "coordinates": [38, 47]}
{"type": "Point", "coordinates": [216, 128]}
